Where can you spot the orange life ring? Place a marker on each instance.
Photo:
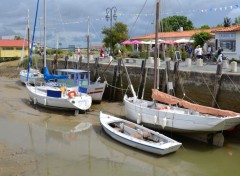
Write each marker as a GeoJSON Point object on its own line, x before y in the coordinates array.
{"type": "Point", "coordinates": [72, 92]}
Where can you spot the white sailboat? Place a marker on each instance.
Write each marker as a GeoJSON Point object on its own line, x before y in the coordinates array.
{"type": "Point", "coordinates": [57, 96]}
{"type": "Point", "coordinates": [174, 114]}
{"type": "Point", "coordinates": [29, 75]}
{"type": "Point", "coordinates": [80, 80]}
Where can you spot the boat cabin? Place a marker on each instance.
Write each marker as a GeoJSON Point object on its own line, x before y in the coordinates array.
{"type": "Point", "coordinates": [76, 78]}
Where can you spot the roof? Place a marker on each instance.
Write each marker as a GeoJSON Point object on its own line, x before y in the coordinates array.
{"type": "Point", "coordinates": [11, 43]}
{"type": "Point", "coordinates": [228, 29]}
{"type": "Point", "coordinates": [179, 34]}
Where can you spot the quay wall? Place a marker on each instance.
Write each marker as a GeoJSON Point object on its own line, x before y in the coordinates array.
{"type": "Point", "coordinates": [191, 85]}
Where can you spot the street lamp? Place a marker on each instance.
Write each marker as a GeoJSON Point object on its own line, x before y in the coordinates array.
{"type": "Point", "coordinates": [111, 15]}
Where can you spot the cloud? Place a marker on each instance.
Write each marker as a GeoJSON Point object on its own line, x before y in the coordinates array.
{"type": "Point", "coordinates": [68, 19]}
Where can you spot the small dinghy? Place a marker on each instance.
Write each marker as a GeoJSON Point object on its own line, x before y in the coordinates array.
{"type": "Point", "coordinates": [138, 136]}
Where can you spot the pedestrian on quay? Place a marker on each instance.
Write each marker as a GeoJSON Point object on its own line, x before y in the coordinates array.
{"type": "Point", "coordinates": [198, 52]}
{"type": "Point", "coordinates": [220, 55]}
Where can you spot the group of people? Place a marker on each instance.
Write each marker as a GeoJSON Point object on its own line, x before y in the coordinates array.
{"type": "Point", "coordinates": [198, 53]}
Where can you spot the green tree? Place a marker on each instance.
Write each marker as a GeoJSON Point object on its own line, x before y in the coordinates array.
{"type": "Point", "coordinates": [227, 22]}
{"type": "Point", "coordinates": [173, 23]}
{"type": "Point", "coordinates": [201, 37]}
{"type": "Point", "coordinates": [18, 38]}
{"type": "Point", "coordinates": [118, 34]}
{"type": "Point", "coordinates": [237, 20]}
{"type": "Point", "coordinates": [205, 27]}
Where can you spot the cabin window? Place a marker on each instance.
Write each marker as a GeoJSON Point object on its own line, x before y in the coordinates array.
{"type": "Point", "coordinates": [228, 45]}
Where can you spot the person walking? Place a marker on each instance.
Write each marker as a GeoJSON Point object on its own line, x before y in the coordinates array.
{"type": "Point", "coordinates": [220, 55]}
{"type": "Point", "coordinates": [198, 52]}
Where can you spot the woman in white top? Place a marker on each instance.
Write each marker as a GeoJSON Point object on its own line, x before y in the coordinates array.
{"type": "Point", "coordinates": [199, 52]}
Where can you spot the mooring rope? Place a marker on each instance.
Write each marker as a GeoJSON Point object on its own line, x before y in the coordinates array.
{"type": "Point", "coordinates": [233, 83]}
{"type": "Point", "coordinates": [210, 91]}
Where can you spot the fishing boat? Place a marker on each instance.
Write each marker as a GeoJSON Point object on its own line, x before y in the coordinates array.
{"type": "Point", "coordinates": [79, 80]}
{"type": "Point", "coordinates": [138, 136]}
{"type": "Point", "coordinates": [57, 96]}
{"type": "Point", "coordinates": [170, 113]}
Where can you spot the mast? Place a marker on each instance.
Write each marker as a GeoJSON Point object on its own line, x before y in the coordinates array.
{"type": "Point", "coordinates": [44, 54]}
{"type": "Point", "coordinates": [88, 46]}
{"type": "Point", "coordinates": [28, 33]}
{"type": "Point", "coordinates": [156, 45]}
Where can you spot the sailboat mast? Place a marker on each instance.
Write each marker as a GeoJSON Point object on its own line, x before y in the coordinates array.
{"type": "Point", "coordinates": [28, 33]}
{"type": "Point", "coordinates": [88, 45]}
{"type": "Point", "coordinates": [44, 54]}
{"type": "Point", "coordinates": [156, 45]}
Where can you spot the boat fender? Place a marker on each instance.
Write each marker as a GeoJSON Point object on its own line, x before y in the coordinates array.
{"type": "Point", "coordinates": [155, 120]}
{"type": "Point", "coordinates": [72, 92]}
{"type": "Point", "coordinates": [163, 108]}
{"type": "Point", "coordinates": [139, 119]}
{"type": "Point", "coordinates": [63, 89]}
{"type": "Point", "coordinates": [34, 100]}
{"type": "Point", "coordinates": [164, 123]}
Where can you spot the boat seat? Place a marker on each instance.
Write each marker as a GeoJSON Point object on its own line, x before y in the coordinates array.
{"type": "Point", "coordinates": [137, 135]}
{"type": "Point", "coordinates": [118, 129]}
{"type": "Point", "coordinates": [131, 125]}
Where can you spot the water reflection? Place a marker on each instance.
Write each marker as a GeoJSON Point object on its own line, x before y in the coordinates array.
{"type": "Point", "coordinates": [83, 149]}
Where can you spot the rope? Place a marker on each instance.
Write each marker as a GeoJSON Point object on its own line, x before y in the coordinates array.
{"type": "Point", "coordinates": [233, 83]}
{"type": "Point", "coordinates": [210, 91]}
{"type": "Point", "coordinates": [116, 87]}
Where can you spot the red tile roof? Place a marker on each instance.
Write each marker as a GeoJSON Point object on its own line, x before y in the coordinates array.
{"type": "Point", "coordinates": [228, 29]}
{"type": "Point", "coordinates": [163, 35]}
{"type": "Point", "coordinates": [11, 43]}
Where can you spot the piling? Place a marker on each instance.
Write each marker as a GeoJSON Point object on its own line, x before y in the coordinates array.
{"type": "Point", "coordinates": [217, 85]}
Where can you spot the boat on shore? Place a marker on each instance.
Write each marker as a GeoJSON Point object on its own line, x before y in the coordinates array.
{"type": "Point", "coordinates": [138, 136]}
{"type": "Point", "coordinates": [79, 80]}
{"type": "Point", "coordinates": [31, 77]}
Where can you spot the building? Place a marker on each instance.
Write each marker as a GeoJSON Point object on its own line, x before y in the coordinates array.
{"type": "Point", "coordinates": [228, 38]}
{"type": "Point", "coordinates": [13, 48]}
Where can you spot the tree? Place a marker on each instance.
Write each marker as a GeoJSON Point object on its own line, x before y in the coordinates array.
{"type": "Point", "coordinates": [173, 23]}
{"type": "Point", "coordinates": [118, 34]}
{"type": "Point", "coordinates": [237, 20]}
{"type": "Point", "coordinates": [205, 27]}
{"type": "Point", "coordinates": [227, 22]}
{"type": "Point", "coordinates": [201, 37]}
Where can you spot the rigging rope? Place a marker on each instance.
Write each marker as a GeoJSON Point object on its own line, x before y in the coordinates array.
{"type": "Point", "coordinates": [138, 15]}
{"type": "Point", "coordinates": [210, 91]}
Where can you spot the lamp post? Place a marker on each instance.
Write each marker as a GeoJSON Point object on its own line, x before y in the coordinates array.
{"type": "Point", "coordinates": [111, 15]}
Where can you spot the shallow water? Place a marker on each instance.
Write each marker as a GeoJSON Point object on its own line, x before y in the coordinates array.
{"type": "Point", "coordinates": [58, 151]}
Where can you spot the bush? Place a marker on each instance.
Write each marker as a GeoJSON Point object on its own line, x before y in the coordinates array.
{"type": "Point", "coordinates": [135, 54]}
{"type": "Point", "coordinates": [24, 64]}
{"type": "Point", "coordinates": [6, 59]}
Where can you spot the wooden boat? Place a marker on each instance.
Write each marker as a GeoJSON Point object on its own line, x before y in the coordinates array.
{"type": "Point", "coordinates": [173, 114]}
{"type": "Point", "coordinates": [138, 136]}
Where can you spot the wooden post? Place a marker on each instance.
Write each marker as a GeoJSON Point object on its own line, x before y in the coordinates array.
{"type": "Point", "coordinates": [217, 84]}
{"type": "Point", "coordinates": [142, 80]}
{"type": "Point", "coordinates": [96, 69]}
{"type": "Point", "coordinates": [116, 80]}
{"type": "Point", "coordinates": [165, 79]}
{"type": "Point", "coordinates": [175, 73]}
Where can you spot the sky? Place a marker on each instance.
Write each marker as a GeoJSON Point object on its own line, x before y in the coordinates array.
{"type": "Point", "coordinates": [67, 20]}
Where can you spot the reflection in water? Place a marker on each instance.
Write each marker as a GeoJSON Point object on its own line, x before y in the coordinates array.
{"type": "Point", "coordinates": [84, 149]}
